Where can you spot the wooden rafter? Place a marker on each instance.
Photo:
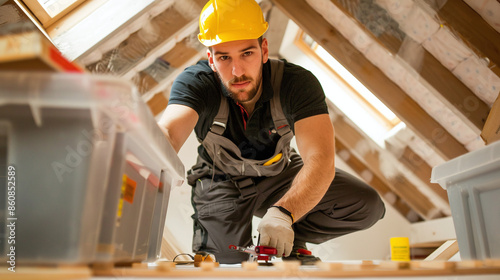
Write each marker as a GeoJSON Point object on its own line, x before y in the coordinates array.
{"type": "Point", "coordinates": [347, 87]}
{"type": "Point", "coordinates": [473, 29]}
{"type": "Point", "coordinates": [453, 91]}
{"type": "Point", "coordinates": [157, 103]}
{"type": "Point", "coordinates": [276, 32]}
{"type": "Point", "coordinates": [423, 171]}
{"type": "Point", "coordinates": [372, 77]}
{"type": "Point", "coordinates": [352, 139]}
{"type": "Point", "coordinates": [356, 164]}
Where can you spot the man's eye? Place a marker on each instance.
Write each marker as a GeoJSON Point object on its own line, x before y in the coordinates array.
{"type": "Point", "coordinates": [224, 57]}
{"type": "Point", "coordinates": [247, 53]}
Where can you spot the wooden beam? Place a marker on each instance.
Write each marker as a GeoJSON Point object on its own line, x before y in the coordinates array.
{"type": "Point", "coordinates": [158, 103]}
{"type": "Point", "coordinates": [374, 79]}
{"type": "Point", "coordinates": [282, 270]}
{"type": "Point", "coordinates": [356, 164]}
{"type": "Point", "coordinates": [444, 252]}
{"type": "Point", "coordinates": [352, 139]}
{"type": "Point", "coordinates": [423, 171]}
{"type": "Point", "coordinates": [491, 130]}
{"type": "Point", "coordinates": [461, 18]}
{"type": "Point", "coordinates": [180, 54]}
{"type": "Point", "coordinates": [277, 27]}
{"type": "Point", "coordinates": [47, 272]}
{"type": "Point", "coordinates": [453, 92]}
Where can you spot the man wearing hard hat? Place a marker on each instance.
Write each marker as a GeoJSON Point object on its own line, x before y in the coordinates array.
{"type": "Point", "coordinates": [245, 108]}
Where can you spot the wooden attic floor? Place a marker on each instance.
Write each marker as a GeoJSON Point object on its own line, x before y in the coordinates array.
{"type": "Point", "coordinates": [435, 266]}
{"type": "Point", "coordinates": [435, 269]}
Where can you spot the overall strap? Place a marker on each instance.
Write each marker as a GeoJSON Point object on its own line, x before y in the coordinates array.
{"type": "Point", "coordinates": [279, 119]}
{"type": "Point", "coordinates": [220, 120]}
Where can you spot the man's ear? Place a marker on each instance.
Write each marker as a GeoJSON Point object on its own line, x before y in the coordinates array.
{"type": "Point", "coordinates": [265, 50]}
{"type": "Point", "coordinates": [211, 60]}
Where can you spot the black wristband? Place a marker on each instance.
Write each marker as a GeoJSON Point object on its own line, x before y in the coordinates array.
{"type": "Point", "coordinates": [282, 209]}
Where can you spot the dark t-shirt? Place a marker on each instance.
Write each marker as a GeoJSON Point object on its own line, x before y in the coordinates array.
{"type": "Point", "coordinates": [199, 88]}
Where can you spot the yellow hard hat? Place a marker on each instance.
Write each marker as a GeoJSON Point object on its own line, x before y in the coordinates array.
{"type": "Point", "coordinates": [230, 20]}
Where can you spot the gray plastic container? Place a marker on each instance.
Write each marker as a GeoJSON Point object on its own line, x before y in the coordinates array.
{"type": "Point", "coordinates": [61, 132]}
{"type": "Point", "coordinates": [473, 185]}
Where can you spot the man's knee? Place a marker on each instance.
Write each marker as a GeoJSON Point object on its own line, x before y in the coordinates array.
{"type": "Point", "coordinates": [374, 208]}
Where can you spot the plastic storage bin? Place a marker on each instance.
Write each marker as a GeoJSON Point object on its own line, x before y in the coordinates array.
{"type": "Point", "coordinates": [75, 142]}
{"type": "Point", "coordinates": [131, 198]}
{"type": "Point", "coordinates": [473, 185]}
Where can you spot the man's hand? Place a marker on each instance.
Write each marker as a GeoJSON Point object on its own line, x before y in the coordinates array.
{"type": "Point", "coordinates": [276, 231]}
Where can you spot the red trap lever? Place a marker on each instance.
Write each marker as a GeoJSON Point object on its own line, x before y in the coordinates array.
{"type": "Point", "coordinates": [257, 253]}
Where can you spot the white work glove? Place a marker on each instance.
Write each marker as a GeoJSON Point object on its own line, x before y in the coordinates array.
{"type": "Point", "coordinates": [276, 231]}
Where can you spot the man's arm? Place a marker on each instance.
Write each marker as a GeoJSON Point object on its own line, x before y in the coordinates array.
{"type": "Point", "coordinates": [316, 144]}
{"type": "Point", "coordinates": [177, 123]}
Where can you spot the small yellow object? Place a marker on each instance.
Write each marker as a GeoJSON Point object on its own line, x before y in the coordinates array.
{"type": "Point", "coordinates": [400, 249]}
{"type": "Point", "coordinates": [273, 160]}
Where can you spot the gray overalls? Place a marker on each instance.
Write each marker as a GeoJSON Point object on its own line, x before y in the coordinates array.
{"type": "Point", "coordinates": [227, 193]}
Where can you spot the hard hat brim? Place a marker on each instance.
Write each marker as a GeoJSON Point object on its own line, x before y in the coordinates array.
{"type": "Point", "coordinates": [232, 36]}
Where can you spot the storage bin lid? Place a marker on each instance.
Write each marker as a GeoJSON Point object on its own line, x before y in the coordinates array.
{"type": "Point", "coordinates": [468, 165]}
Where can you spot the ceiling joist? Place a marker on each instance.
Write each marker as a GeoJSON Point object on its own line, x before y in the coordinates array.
{"type": "Point", "coordinates": [383, 166]}
{"type": "Point", "coordinates": [472, 28]}
{"type": "Point", "coordinates": [423, 171]}
{"type": "Point", "coordinates": [356, 164]}
{"type": "Point", "coordinates": [453, 91]}
{"type": "Point", "coordinates": [372, 77]}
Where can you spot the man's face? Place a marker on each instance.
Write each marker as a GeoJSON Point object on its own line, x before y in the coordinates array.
{"type": "Point", "coordinates": [239, 66]}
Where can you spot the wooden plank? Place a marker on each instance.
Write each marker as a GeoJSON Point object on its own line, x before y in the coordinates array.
{"type": "Point", "coordinates": [346, 87]}
{"type": "Point", "coordinates": [158, 103]}
{"type": "Point", "coordinates": [31, 51]}
{"type": "Point", "coordinates": [444, 252]}
{"type": "Point", "coordinates": [423, 171]}
{"type": "Point", "coordinates": [491, 130]}
{"type": "Point", "coordinates": [394, 265]}
{"type": "Point", "coordinates": [163, 84]}
{"type": "Point", "coordinates": [355, 140]}
{"type": "Point", "coordinates": [469, 264]}
{"type": "Point", "coordinates": [178, 30]}
{"type": "Point", "coordinates": [24, 272]}
{"type": "Point", "coordinates": [441, 265]}
{"type": "Point", "coordinates": [379, 184]}
{"type": "Point", "coordinates": [453, 92]}
{"type": "Point", "coordinates": [473, 28]}
{"type": "Point", "coordinates": [374, 79]}
{"type": "Point", "coordinates": [344, 270]}
{"type": "Point", "coordinates": [57, 10]}
{"type": "Point", "coordinates": [320, 270]}
{"type": "Point", "coordinates": [178, 56]}
{"type": "Point", "coordinates": [430, 244]}
{"type": "Point", "coordinates": [277, 26]}
{"type": "Point", "coordinates": [74, 17]}
{"type": "Point", "coordinates": [78, 39]}
{"type": "Point", "coordinates": [397, 182]}
{"type": "Point", "coordinates": [111, 42]}
{"type": "Point", "coordinates": [375, 181]}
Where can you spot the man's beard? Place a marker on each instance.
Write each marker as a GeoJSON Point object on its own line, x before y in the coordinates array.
{"type": "Point", "coordinates": [251, 92]}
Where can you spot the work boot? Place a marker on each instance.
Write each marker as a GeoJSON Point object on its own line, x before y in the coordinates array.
{"type": "Point", "coordinates": [303, 255]}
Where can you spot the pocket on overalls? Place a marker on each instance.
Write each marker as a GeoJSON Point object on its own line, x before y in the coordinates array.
{"type": "Point", "coordinates": [219, 208]}
{"type": "Point", "coordinates": [229, 164]}
{"type": "Point", "coordinates": [200, 235]}
{"type": "Point", "coordinates": [198, 171]}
